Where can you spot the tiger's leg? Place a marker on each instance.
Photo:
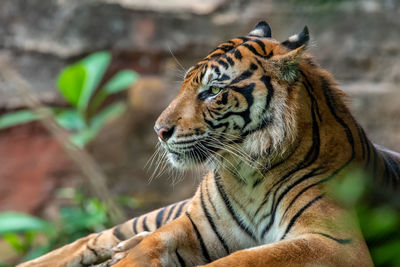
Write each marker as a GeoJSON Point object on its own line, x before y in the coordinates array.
{"type": "Point", "coordinates": [304, 250]}
{"type": "Point", "coordinates": [98, 247]}
{"type": "Point", "coordinates": [319, 234]}
{"type": "Point", "coordinates": [179, 243]}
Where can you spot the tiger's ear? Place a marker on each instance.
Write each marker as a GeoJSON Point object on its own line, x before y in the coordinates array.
{"type": "Point", "coordinates": [262, 29]}
{"type": "Point", "coordinates": [297, 40]}
{"type": "Point", "coordinates": [286, 66]}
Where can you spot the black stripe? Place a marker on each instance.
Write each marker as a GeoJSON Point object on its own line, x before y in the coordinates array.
{"type": "Point", "coordinates": [339, 240]}
{"type": "Point", "coordinates": [267, 82]}
{"type": "Point", "coordinates": [375, 162]}
{"type": "Point", "coordinates": [253, 67]}
{"type": "Point", "coordinates": [309, 159]}
{"type": "Point", "coordinates": [212, 224]}
{"type": "Point", "coordinates": [246, 91]}
{"type": "Point", "coordinates": [214, 55]}
{"type": "Point", "coordinates": [159, 218]}
{"type": "Point", "coordinates": [297, 196]}
{"type": "Point", "coordinates": [313, 153]}
{"type": "Point", "coordinates": [223, 63]}
{"type": "Point", "coordinates": [180, 259]}
{"type": "Point", "coordinates": [144, 224]}
{"type": "Point", "coordinates": [237, 54]}
{"type": "Point", "coordinates": [310, 89]}
{"type": "Point", "coordinates": [202, 245]}
{"type": "Point", "coordinates": [368, 144]}
{"type": "Point", "coordinates": [211, 202]}
{"type": "Point", "coordinates": [395, 169]}
{"type": "Point", "coordinates": [135, 231]}
{"type": "Point", "coordinates": [224, 77]}
{"type": "Point", "coordinates": [365, 141]}
{"type": "Point", "coordinates": [299, 213]}
{"type": "Point", "coordinates": [362, 140]}
{"type": "Point", "coordinates": [386, 173]}
{"type": "Point", "coordinates": [277, 164]}
{"type": "Point", "coordinates": [118, 234]}
{"type": "Point", "coordinates": [331, 104]}
{"type": "Point", "coordinates": [243, 76]}
{"type": "Point", "coordinates": [229, 206]}
{"type": "Point", "coordinates": [255, 52]}
{"type": "Point", "coordinates": [284, 193]}
{"type": "Point", "coordinates": [216, 69]}
{"type": "Point", "coordinates": [262, 45]}
{"type": "Point", "coordinates": [230, 61]}
{"type": "Point", "coordinates": [93, 250]}
{"type": "Point", "coordinates": [244, 39]}
{"type": "Point", "coordinates": [170, 212]}
{"type": "Point", "coordinates": [178, 213]}
{"type": "Point", "coordinates": [224, 99]}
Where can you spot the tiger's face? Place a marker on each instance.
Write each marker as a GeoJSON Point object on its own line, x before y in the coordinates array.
{"type": "Point", "coordinates": [234, 101]}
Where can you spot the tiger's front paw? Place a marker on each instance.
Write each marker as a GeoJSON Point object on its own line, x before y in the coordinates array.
{"type": "Point", "coordinates": [122, 249]}
{"type": "Point", "coordinates": [145, 252]}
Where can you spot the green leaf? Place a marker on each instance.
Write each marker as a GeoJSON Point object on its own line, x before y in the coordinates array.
{"type": "Point", "coordinates": [37, 252]}
{"type": "Point", "coordinates": [380, 221]}
{"type": "Point", "coordinates": [95, 66]}
{"type": "Point", "coordinates": [128, 201]}
{"type": "Point", "coordinates": [71, 82]}
{"type": "Point", "coordinates": [15, 241]}
{"type": "Point", "coordinates": [78, 82]}
{"type": "Point", "coordinates": [350, 189]}
{"type": "Point", "coordinates": [387, 254]}
{"type": "Point", "coordinates": [11, 222]}
{"type": "Point", "coordinates": [83, 137]}
{"type": "Point", "coordinates": [15, 118]}
{"type": "Point", "coordinates": [120, 81]}
{"type": "Point", "coordinates": [109, 112]}
{"type": "Point", "coordinates": [70, 119]}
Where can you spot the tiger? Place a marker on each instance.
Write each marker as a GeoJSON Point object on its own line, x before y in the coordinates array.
{"type": "Point", "coordinates": [273, 131]}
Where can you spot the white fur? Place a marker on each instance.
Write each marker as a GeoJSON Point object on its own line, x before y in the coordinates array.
{"type": "Point", "coordinates": [294, 38]}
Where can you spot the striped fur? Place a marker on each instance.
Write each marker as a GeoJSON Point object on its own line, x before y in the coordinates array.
{"type": "Point", "coordinates": [274, 134]}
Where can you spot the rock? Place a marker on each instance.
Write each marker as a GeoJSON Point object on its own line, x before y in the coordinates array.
{"type": "Point", "coordinates": [32, 163]}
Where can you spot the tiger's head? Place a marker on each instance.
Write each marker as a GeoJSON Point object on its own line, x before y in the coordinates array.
{"type": "Point", "coordinates": [237, 100]}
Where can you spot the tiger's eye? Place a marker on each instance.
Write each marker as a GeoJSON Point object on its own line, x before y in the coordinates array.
{"type": "Point", "coordinates": [215, 90]}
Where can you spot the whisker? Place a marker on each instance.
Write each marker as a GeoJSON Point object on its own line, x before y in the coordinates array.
{"type": "Point", "coordinates": [176, 60]}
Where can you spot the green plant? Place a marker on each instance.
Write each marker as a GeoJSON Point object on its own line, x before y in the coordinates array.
{"type": "Point", "coordinates": [79, 85]}
{"type": "Point", "coordinates": [31, 237]}
{"type": "Point", "coordinates": [377, 213]}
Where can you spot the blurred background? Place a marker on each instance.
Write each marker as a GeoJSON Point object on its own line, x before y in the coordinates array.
{"type": "Point", "coordinates": [47, 46]}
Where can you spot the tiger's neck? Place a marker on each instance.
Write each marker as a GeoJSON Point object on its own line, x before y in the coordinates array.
{"type": "Point", "coordinates": [328, 137]}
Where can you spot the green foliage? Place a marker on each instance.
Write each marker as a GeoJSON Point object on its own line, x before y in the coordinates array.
{"type": "Point", "coordinates": [80, 218]}
{"type": "Point", "coordinates": [31, 237]}
{"type": "Point", "coordinates": [380, 225]}
{"type": "Point", "coordinates": [15, 118]}
{"type": "Point", "coordinates": [349, 190]}
{"type": "Point", "coordinates": [71, 83]}
{"type": "Point", "coordinates": [11, 222]}
{"type": "Point", "coordinates": [379, 219]}
{"type": "Point", "coordinates": [79, 85]}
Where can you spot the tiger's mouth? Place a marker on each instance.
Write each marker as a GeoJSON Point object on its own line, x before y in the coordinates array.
{"type": "Point", "coordinates": [190, 153]}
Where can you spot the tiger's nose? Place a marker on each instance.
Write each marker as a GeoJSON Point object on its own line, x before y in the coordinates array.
{"type": "Point", "coordinates": [165, 133]}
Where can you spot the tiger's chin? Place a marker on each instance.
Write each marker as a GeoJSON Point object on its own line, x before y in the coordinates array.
{"type": "Point", "coordinates": [187, 160]}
